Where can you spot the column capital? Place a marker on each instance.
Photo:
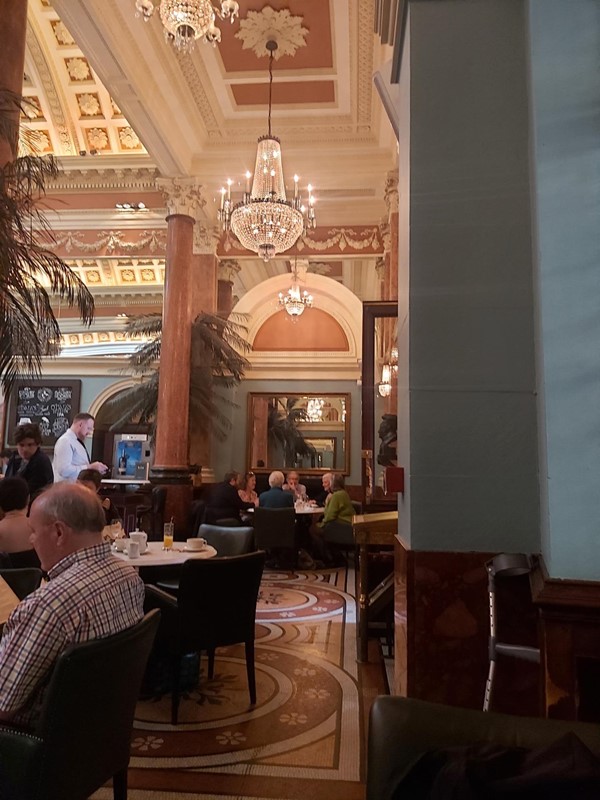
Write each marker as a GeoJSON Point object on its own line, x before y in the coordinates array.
{"type": "Point", "coordinates": [391, 192]}
{"type": "Point", "coordinates": [227, 269]}
{"type": "Point", "coordinates": [182, 195]}
{"type": "Point", "coordinates": [206, 239]}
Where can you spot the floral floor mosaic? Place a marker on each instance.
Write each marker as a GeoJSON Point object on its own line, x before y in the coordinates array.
{"type": "Point", "coordinates": [304, 736]}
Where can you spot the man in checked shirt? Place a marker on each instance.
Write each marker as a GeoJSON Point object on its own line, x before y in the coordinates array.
{"type": "Point", "coordinates": [89, 595]}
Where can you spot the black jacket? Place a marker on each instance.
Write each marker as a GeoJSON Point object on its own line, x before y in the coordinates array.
{"type": "Point", "coordinates": [225, 502]}
{"type": "Point", "coordinates": [38, 472]}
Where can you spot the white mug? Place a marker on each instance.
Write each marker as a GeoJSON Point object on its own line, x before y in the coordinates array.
{"type": "Point", "coordinates": [141, 538]}
{"type": "Point", "coordinates": [133, 550]}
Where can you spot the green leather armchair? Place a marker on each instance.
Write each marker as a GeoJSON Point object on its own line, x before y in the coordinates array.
{"type": "Point", "coordinates": [401, 730]}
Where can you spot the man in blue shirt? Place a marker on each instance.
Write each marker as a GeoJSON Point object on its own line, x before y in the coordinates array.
{"type": "Point", "coordinates": [275, 497]}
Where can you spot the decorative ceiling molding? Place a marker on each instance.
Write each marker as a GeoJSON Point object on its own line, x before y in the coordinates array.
{"type": "Point", "coordinates": [260, 26]}
{"type": "Point", "coordinates": [63, 125]}
{"type": "Point", "coordinates": [105, 177]}
{"type": "Point", "coordinates": [366, 22]}
{"type": "Point", "coordinates": [196, 81]}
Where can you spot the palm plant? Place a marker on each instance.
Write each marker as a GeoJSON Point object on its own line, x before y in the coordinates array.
{"type": "Point", "coordinates": [283, 432]}
{"type": "Point", "coordinates": [30, 273]}
{"type": "Point", "coordinates": [216, 363]}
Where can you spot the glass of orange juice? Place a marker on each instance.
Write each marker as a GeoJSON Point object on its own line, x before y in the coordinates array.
{"type": "Point", "coordinates": [168, 530]}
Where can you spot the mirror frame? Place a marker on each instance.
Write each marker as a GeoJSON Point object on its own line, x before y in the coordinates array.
{"type": "Point", "coordinates": [372, 311]}
{"type": "Point", "coordinates": [309, 470]}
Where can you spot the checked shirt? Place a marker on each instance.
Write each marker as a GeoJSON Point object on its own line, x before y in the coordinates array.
{"type": "Point", "coordinates": [89, 595]}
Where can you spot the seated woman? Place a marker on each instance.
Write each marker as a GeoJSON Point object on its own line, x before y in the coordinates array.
{"type": "Point", "coordinates": [247, 490]}
{"type": "Point", "coordinates": [93, 480]}
{"type": "Point", "coordinates": [336, 526]}
{"type": "Point", "coordinates": [29, 462]}
{"type": "Point", "coordinates": [15, 530]}
{"type": "Point", "coordinates": [247, 493]}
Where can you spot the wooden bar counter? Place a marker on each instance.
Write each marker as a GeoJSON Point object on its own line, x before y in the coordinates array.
{"type": "Point", "coordinates": [369, 529]}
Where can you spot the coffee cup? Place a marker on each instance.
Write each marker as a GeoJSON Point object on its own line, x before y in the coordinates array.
{"type": "Point", "coordinates": [120, 545]}
{"type": "Point", "coordinates": [195, 543]}
{"type": "Point", "coordinates": [141, 538]}
{"type": "Point", "coordinates": [133, 551]}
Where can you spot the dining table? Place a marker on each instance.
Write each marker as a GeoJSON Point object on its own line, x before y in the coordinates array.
{"type": "Point", "coordinates": [155, 556]}
{"type": "Point", "coordinates": [299, 511]}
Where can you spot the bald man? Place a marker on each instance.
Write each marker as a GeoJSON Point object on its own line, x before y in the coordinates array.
{"type": "Point", "coordinates": [89, 595]}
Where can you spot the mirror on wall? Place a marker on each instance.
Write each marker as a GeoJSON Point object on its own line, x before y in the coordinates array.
{"type": "Point", "coordinates": [308, 432]}
{"type": "Point", "coordinates": [379, 400]}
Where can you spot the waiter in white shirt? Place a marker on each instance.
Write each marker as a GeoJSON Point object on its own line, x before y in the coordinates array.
{"type": "Point", "coordinates": [70, 452]}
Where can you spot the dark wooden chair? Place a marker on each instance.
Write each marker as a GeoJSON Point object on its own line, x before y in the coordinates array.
{"type": "Point", "coordinates": [153, 513]}
{"type": "Point", "coordinates": [226, 541]}
{"type": "Point", "coordinates": [23, 559]}
{"type": "Point", "coordinates": [83, 736]}
{"type": "Point", "coordinates": [275, 530]}
{"type": "Point", "coordinates": [215, 607]}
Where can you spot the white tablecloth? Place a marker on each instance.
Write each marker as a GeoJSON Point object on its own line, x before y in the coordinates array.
{"type": "Point", "coordinates": [155, 556]}
{"type": "Point", "coordinates": [309, 510]}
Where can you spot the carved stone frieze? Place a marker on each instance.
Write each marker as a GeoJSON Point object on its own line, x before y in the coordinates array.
{"type": "Point", "coordinates": [182, 195]}
{"type": "Point", "coordinates": [111, 242]}
{"type": "Point", "coordinates": [342, 238]}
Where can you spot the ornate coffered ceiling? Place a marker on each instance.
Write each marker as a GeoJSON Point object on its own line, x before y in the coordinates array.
{"type": "Point", "coordinates": [122, 110]}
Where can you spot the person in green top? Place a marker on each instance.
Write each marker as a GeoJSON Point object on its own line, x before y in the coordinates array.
{"type": "Point", "coordinates": [336, 525]}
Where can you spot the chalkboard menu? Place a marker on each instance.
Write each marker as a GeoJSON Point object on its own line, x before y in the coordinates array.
{"type": "Point", "coordinates": [50, 403]}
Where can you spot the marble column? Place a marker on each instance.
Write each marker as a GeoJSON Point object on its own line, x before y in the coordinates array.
{"type": "Point", "coordinates": [228, 269]}
{"type": "Point", "coordinates": [12, 61]}
{"type": "Point", "coordinates": [171, 460]}
{"type": "Point", "coordinates": [204, 269]}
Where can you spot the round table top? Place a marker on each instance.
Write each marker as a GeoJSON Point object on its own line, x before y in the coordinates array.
{"type": "Point", "coordinates": [155, 556]}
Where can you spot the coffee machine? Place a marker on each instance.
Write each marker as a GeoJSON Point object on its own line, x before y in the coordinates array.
{"type": "Point", "coordinates": [131, 456]}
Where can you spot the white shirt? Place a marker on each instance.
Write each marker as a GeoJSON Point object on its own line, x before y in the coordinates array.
{"type": "Point", "coordinates": [70, 457]}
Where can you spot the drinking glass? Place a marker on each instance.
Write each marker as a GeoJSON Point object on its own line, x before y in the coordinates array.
{"type": "Point", "coordinates": [115, 528]}
{"type": "Point", "coordinates": [168, 530]}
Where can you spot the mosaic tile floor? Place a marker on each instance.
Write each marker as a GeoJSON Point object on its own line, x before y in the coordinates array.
{"type": "Point", "coordinates": [304, 736]}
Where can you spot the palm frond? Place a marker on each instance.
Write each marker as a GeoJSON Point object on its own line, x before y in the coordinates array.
{"type": "Point", "coordinates": [30, 273]}
{"type": "Point", "coordinates": [216, 363]}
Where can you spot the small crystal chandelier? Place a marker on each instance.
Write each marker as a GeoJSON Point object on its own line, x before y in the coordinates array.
{"type": "Point", "coordinates": [295, 301]}
{"type": "Point", "coordinates": [185, 21]}
{"type": "Point", "coordinates": [265, 221]}
{"type": "Point", "coordinates": [384, 387]}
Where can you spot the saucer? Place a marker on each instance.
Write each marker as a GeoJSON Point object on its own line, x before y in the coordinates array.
{"type": "Point", "coordinates": [194, 549]}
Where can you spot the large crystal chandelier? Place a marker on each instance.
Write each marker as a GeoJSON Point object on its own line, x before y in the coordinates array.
{"type": "Point", "coordinates": [295, 301]}
{"type": "Point", "coordinates": [185, 21]}
{"type": "Point", "coordinates": [265, 221]}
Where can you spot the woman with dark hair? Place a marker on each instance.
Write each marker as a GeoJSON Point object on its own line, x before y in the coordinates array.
{"type": "Point", "coordinates": [247, 488]}
{"type": "Point", "coordinates": [15, 529]}
{"type": "Point", "coordinates": [29, 462]}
